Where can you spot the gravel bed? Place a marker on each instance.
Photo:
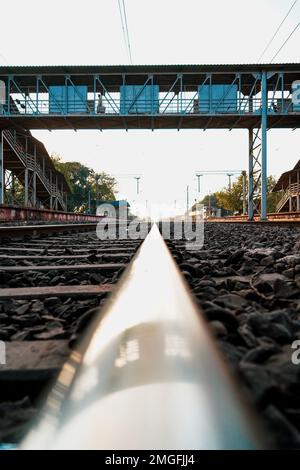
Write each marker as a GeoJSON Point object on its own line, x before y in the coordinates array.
{"type": "Point", "coordinates": [52, 318]}
{"type": "Point", "coordinates": [246, 279]}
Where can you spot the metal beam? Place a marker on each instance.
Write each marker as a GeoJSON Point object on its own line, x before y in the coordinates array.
{"type": "Point", "coordinates": [26, 192]}
{"type": "Point", "coordinates": [1, 171]}
{"type": "Point", "coordinates": [264, 120]}
{"type": "Point", "coordinates": [250, 177]}
{"type": "Point", "coordinates": [244, 173]}
{"type": "Point", "coordinates": [34, 180]}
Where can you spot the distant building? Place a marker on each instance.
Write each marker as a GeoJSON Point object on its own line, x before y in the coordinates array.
{"type": "Point", "coordinates": [211, 212]}
{"type": "Point", "coordinates": [113, 208]}
{"type": "Point", "coordinates": [289, 184]}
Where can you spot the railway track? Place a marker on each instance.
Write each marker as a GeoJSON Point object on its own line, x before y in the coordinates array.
{"type": "Point", "coordinates": [245, 286]}
{"type": "Point", "coordinates": [279, 218]}
{"type": "Point", "coordinates": [51, 283]}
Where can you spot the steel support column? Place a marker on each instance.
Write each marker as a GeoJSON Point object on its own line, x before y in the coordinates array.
{"type": "Point", "coordinates": [51, 190]}
{"type": "Point", "coordinates": [26, 192]}
{"type": "Point", "coordinates": [1, 171]}
{"type": "Point", "coordinates": [257, 195]}
{"type": "Point", "coordinates": [56, 193]}
{"type": "Point", "coordinates": [244, 173]}
{"type": "Point", "coordinates": [298, 198]}
{"type": "Point", "coordinates": [250, 182]}
{"type": "Point", "coordinates": [264, 119]}
{"type": "Point", "coordinates": [34, 180]}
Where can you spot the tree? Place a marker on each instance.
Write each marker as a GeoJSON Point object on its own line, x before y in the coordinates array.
{"type": "Point", "coordinates": [83, 181]}
{"type": "Point", "coordinates": [210, 200]}
{"type": "Point", "coordinates": [272, 198]}
{"type": "Point", "coordinates": [233, 200]}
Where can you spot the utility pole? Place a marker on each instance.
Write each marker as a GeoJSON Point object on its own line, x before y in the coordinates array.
{"type": "Point", "coordinates": [199, 176]}
{"type": "Point", "coordinates": [89, 201]}
{"type": "Point", "coordinates": [187, 199]}
{"type": "Point", "coordinates": [97, 192]}
{"type": "Point", "coordinates": [244, 173]}
{"type": "Point", "coordinates": [229, 184]}
{"type": "Point", "coordinates": [137, 178]}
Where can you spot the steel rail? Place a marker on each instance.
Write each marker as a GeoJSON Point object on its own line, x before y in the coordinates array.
{"type": "Point", "coordinates": [13, 231]}
{"type": "Point", "coordinates": [147, 375]}
{"type": "Point", "coordinates": [277, 218]}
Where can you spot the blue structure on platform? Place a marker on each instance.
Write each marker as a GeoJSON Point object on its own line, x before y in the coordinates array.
{"type": "Point", "coordinates": [218, 98]}
{"type": "Point", "coordinates": [256, 97]}
{"type": "Point", "coordinates": [139, 99]}
{"type": "Point", "coordinates": [67, 99]}
{"type": "Point", "coordinates": [296, 95]}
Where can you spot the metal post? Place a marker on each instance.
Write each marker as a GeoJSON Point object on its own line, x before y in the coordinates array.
{"type": "Point", "coordinates": [26, 187]}
{"type": "Point", "coordinates": [137, 184]}
{"type": "Point", "coordinates": [264, 119]}
{"type": "Point", "coordinates": [56, 193]}
{"type": "Point", "coordinates": [229, 182]}
{"type": "Point", "coordinates": [37, 96]}
{"type": "Point", "coordinates": [298, 198]}
{"type": "Point", "coordinates": [244, 191]}
{"type": "Point", "coordinates": [187, 200]}
{"type": "Point", "coordinates": [250, 176]}
{"type": "Point", "coordinates": [89, 201]}
{"type": "Point", "coordinates": [13, 187]}
{"type": "Point", "coordinates": [51, 192]}
{"type": "Point", "coordinates": [97, 195]}
{"type": "Point", "coordinates": [199, 185]}
{"type": "Point", "coordinates": [34, 180]}
{"type": "Point", "coordinates": [290, 197]}
{"type": "Point", "coordinates": [1, 171]}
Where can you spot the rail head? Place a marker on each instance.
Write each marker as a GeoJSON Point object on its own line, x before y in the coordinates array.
{"type": "Point", "coordinates": [148, 374]}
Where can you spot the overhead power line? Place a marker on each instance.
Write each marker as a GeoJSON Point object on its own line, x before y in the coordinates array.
{"type": "Point", "coordinates": [277, 31]}
{"type": "Point", "coordinates": [124, 22]}
{"type": "Point", "coordinates": [127, 31]}
{"type": "Point", "coordinates": [288, 38]}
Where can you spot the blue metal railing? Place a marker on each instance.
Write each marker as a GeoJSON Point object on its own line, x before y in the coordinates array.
{"type": "Point", "coordinates": [163, 106]}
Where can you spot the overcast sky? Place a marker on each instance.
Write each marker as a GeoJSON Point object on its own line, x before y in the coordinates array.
{"type": "Point", "coordinates": [161, 32]}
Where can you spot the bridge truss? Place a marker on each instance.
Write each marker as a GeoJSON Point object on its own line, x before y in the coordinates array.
{"type": "Point", "coordinates": [253, 97]}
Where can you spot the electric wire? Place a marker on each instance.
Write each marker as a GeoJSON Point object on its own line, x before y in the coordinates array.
{"type": "Point", "coordinates": [288, 38]}
{"type": "Point", "coordinates": [124, 22]}
{"type": "Point", "coordinates": [127, 31]}
{"type": "Point", "coordinates": [277, 30]}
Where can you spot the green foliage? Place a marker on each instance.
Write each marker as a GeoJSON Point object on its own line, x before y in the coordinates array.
{"type": "Point", "coordinates": [83, 180]}
{"type": "Point", "coordinates": [15, 195]}
{"type": "Point", "coordinates": [233, 200]}
{"type": "Point", "coordinates": [272, 198]}
{"type": "Point", "coordinates": [210, 200]}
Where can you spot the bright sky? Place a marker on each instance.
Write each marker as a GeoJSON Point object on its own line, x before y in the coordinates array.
{"type": "Point", "coordinates": [161, 32]}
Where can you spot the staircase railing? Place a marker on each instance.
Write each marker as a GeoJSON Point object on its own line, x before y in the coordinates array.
{"type": "Point", "coordinates": [30, 163]}
{"type": "Point", "coordinates": [283, 200]}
